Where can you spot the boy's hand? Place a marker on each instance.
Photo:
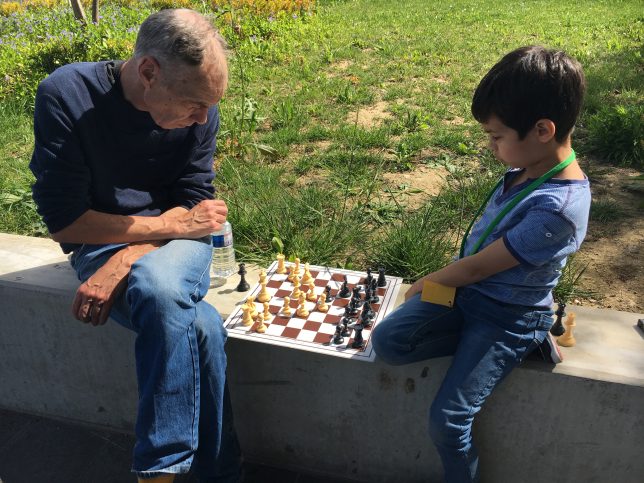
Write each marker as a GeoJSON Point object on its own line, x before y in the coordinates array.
{"type": "Point", "coordinates": [415, 288]}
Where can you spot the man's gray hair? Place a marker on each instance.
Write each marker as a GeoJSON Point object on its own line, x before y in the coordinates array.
{"type": "Point", "coordinates": [173, 38]}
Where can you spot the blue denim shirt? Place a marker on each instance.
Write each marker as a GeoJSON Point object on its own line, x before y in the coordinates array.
{"type": "Point", "coordinates": [540, 231]}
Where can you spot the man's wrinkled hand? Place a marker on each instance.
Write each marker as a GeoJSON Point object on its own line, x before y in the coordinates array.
{"type": "Point", "coordinates": [203, 219]}
{"type": "Point", "coordinates": [95, 297]}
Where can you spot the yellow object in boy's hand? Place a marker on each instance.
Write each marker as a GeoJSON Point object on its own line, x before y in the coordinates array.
{"type": "Point", "coordinates": [436, 293]}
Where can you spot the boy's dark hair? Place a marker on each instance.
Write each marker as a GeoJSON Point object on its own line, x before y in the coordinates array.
{"type": "Point", "coordinates": [532, 83]}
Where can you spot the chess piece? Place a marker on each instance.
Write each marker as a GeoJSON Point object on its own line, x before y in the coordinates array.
{"type": "Point", "coordinates": [321, 305]}
{"type": "Point", "coordinates": [301, 309]}
{"type": "Point", "coordinates": [281, 267]}
{"type": "Point", "coordinates": [286, 308]}
{"type": "Point", "coordinates": [262, 276]}
{"type": "Point", "coordinates": [568, 339]}
{"type": "Point", "coordinates": [337, 337]}
{"type": "Point", "coordinates": [356, 295]}
{"type": "Point", "coordinates": [346, 332]}
{"type": "Point", "coordinates": [247, 319]}
{"type": "Point", "coordinates": [311, 295]}
{"type": "Point", "coordinates": [296, 288]}
{"type": "Point", "coordinates": [353, 307]}
{"type": "Point", "coordinates": [263, 295]}
{"type": "Point", "coordinates": [367, 311]}
{"type": "Point", "coordinates": [382, 281]}
{"type": "Point", "coordinates": [367, 281]}
{"type": "Point", "coordinates": [358, 341]}
{"type": "Point", "coordinates": [251, 303]}
{"type": "Point", "coordinates": [306, 277]}
{"type": "Point", "coordinates": [267, 312]}
{"type": "Point", "coordinates": [374, 292]}
{"type": "Point", "coordinates": [327, 290]}
{"type": "Point", "coordinates": [344, 289]}
{"type": "Point", "coordinates": [295, 270]}
{"type": "Point", "coordinates": [261, 328]}
{"type": "Point", "coordinates": [243, 284]}
{"type": "Point", "coordinates": [557, 328]}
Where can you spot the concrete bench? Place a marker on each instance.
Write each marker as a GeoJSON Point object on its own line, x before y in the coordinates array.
{"type": "Point", "coordinates": [577, 421]}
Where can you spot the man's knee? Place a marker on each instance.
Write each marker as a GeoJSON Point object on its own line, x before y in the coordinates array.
{"type": "Point", "coordinates": [384, 344]}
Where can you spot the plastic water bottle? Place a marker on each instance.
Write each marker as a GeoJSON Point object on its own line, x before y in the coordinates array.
{"type": "Point", "coordinates": [223, 255]}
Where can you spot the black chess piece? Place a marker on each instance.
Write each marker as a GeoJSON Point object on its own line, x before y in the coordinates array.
{"type": "Point", "coordinates": [329, 297]}
{"type": "Point", "coordinates": [374, 292]}
{"type": "Point", "coordinates": [243, 284]}
{"type": "Point", "coordinates": [367, 281]}
{"type": "Point", "coordinates": [368, 311]}
{"type": "Point", "coordinates": [353, 307]}
{"type": "Point", "coordinates": [344, 289]}
{"type": "Point", "coordinates": [382, 281]}
{"type": "Point", "coordinates": [346, 332]}
{"type": "Point", "coordinates": [337, 337]}
{"type": "Point", "coordinates": [358, 341]}
{"type": "Point", "coordinates": [356, 296]}
{"type": "Point", "coordinates": [557, 328]}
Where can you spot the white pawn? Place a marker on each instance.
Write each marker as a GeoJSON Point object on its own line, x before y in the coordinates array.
{"type": "Point", "coordinates": [267, 312]}
{"type": "Point", "coordinates": [247, 319]}
{"type": "Point", "coordinates": [310, 295]}
{"type": "Point", "coordinates": [301, 310]}
{"type": "Point", "coordinates": [307, 277]}
{"type": "Point", "coordinates": [261, 328]}
{"type": "Point", "coordinates": [321, 304]}
{"type": "Point", "coordinates": [296, 288]}
{"type": "Point", "coordinates": [286, 308]}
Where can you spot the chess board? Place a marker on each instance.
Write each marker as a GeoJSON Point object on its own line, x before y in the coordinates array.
{"type": "Point", "coordinates": [315, 332]}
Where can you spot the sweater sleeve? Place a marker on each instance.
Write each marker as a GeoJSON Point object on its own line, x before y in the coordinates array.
{"type": "Point", "coordinates": [61, 189]}
{"type": "Point", "coordinates": [195, 182]}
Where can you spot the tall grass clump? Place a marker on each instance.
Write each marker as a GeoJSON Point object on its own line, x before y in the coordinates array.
{"type": "Point", "coordinates": [616, 133]}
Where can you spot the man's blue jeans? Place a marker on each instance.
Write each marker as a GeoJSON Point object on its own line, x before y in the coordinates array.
{"type": "Point", "coordinates": [487, 338]}
{"type": "Point", "coordinates": [184, 414]}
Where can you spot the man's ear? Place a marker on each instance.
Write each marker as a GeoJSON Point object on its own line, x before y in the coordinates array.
{"type": "Point", "coordinates": [148, 71]}
{"type": "Point", "coordinates": [545, 130]}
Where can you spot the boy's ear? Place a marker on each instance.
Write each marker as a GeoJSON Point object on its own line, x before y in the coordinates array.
{"type": "Point", "coordinates": [545, 129]}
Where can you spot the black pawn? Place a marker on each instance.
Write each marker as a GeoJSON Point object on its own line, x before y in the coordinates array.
{"type": "Point", "coordinates": [358, 341]}
{"type": "Point", "coordinates": [368, 311]}
{"type": "Point", "coordinates": [337, 337]}
{"type": "Point", "coordinates": [346, 332]}
{"type": "Point", "coordinates": [327, 290]}
{"type": "Point", "coordinates": [382, 281]}
{"type": "Point", "coordinates": [557, 328]}
{"type": "Point", "coordinates": [243, 284]}
{"type": "Point", "coordinates": [374, 293]}
{"type": "Point", "coordinates": [344, 290]}
{"type": "Point", "coordinates": [369, 277]}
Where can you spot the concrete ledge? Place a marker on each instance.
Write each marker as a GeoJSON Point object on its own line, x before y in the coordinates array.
{"type": "Point", "coordinates": [577, 421]}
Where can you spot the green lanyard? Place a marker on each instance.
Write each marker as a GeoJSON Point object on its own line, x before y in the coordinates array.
{"type": "Point", "coordinates": [520, 196]}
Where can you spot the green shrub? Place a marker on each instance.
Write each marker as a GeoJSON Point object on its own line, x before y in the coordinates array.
{"type": "Point", "coordinates": [616, 133]}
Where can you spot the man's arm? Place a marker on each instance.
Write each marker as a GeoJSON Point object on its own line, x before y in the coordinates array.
{"type": "Point", "coordinates": [492, 259]}
{"type": "Point", "coordinates": [94, 227]}
{"type": "Point", "coordinates": [95, 297]}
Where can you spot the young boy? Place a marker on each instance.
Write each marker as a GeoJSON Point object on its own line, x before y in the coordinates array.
{"type": "Point", "coordinates": [528, 104]}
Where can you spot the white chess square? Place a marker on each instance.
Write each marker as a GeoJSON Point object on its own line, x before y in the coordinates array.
{"type": "Point", "coordinates": [296, 323]}
{"type": "Point", "coordinates": [274, 329]}
{"type": "Point", "coordinates": [327, 329]}
{"type": "Point", "coordinates": [306, 335]}
{"type": "Point", "coordinates": [317, 316]}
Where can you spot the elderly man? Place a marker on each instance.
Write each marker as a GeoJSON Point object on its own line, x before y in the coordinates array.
{"type": "Point", "coordinates": [123, 163]}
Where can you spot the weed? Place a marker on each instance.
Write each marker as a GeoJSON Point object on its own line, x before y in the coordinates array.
{"type": "Point", "coordinates": [617, 134]}
{"type": "Point", "coordinates": [606, 211]}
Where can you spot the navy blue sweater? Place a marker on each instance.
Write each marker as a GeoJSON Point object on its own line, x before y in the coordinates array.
{"type": "Point", "coordinates": [94, 150]}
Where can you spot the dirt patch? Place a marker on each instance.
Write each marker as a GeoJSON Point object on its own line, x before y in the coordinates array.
{"type": "Point", "coordinates": [337, 68]}
{"type": "Point", "coordinates": [371, 116]}
{"type": "Point", "coordinates": [416, 186]}
{"type": "Point", "coordinates": [614, 249]}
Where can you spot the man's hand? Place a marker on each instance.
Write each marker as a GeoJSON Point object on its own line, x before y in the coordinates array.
{"type": "Point", "coordinates": [415, 288]}
{"type": "Point", "coordinates": [201, 220]}
{"type": "Point", "coordinates": [95, 297]}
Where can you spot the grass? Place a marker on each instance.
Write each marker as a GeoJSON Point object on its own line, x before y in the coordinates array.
{"type": "Point", "coordinates": [295, 165]}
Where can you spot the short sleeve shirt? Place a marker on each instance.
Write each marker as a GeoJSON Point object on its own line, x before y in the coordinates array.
{"type": "Point", "coordinates": [540, 232]}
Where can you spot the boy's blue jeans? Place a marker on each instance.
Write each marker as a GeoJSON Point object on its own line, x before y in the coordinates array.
{"type": "Point", "coordinates": [184, 414]}
{"type": "Point", "coordinates": [487, 338]}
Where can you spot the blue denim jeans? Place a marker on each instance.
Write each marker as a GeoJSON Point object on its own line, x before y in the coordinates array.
{"type": "Point", "coordinates": [487, 339]}
{"type": "Point", "coordinates": [184, 415]}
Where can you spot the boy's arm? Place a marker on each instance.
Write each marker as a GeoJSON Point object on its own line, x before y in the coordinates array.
{"type": "Point", "coordinates": [492, 259]}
